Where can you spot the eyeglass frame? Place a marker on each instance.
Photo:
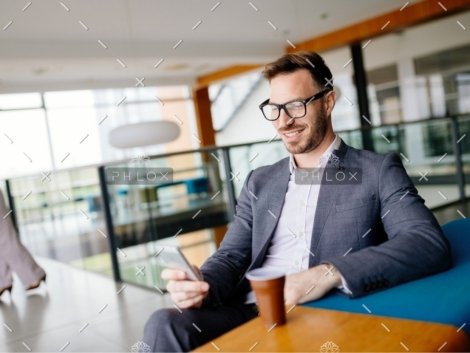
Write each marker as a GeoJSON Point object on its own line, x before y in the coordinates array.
{"type": "Point", "coordinates": [283, 106]}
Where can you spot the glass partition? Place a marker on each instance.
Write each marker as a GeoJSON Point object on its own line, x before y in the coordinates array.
{"type": "Point", "coordinates": [63, 215]}
{"type": "Point", "coordinates": [249, 157]}
{"type": "Point", "coordinates": [427, 152]}
{"type": "Point", "coordinates": [60, 216]}
{"type": "Point", "coordinates": [162, 201]}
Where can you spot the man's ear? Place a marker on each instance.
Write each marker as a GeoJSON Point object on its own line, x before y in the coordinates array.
{"type": "Point", "coordinates": [330, 101]}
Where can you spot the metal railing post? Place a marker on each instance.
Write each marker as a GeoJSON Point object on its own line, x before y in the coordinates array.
{"type": "Point", "coordinates": [109, 224]}
{"type": "Point", "coordinates": [11, 202]}
{"type": "Point", "coordinates": [229, 183]}
{"type": "Point", "coordinates": [360, 81]}
{"type": "Point", "coordinates": [458, 157]}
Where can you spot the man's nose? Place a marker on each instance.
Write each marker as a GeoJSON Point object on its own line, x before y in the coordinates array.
{"type": "Point", "coordinates": [284, 118]}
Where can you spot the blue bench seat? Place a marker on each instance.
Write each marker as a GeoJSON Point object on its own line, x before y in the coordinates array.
{"type": "Point", "coordinates": [441, 298]}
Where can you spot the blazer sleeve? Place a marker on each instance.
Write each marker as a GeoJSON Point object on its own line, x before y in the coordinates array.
{"type": "Point", "coordinates": [416, 246]}
{"type": "Point", "coordinates": [225, 269]}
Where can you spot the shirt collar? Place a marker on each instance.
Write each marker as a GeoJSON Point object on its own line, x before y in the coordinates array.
{"type": "Point", "coordinates": [324, 157]}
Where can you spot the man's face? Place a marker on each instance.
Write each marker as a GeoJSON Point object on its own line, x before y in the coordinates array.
{"type": "Point", "coordinates": [301, 135]}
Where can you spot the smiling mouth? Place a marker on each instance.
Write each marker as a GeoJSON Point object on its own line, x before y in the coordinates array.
{"type": "Point", "coordinates": [292, 133]}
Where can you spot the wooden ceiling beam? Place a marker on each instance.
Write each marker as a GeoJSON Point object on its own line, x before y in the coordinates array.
{"type": "Point", "coordinates": [399, 19]}
{"type": "Point", "coordinates": [223, 74]}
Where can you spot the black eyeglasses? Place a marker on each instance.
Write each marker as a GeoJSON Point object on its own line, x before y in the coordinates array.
{"type": "Point", "coordinates": [294, 109]}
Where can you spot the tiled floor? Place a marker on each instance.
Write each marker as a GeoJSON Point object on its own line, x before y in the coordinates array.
{"type": "Point", "coordinates": [75, 311]}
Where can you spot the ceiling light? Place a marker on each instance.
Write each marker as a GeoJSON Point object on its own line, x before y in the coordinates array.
{"type": "Point", "coordinates": [144, 134]}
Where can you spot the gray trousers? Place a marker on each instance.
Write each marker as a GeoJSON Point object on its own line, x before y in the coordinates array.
{"type": "Point", "coordinates": [172, 330]}
{"type": "Point", "coordinates": [13, 255]}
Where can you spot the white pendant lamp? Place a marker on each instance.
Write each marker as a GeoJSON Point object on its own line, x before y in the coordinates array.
{"type": "Point", "coordinates": [144, 134]}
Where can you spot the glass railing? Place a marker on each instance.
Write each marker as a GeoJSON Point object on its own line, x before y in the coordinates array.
{"type": "Point", "coordinates": [60, 216]}
{"type": "Point", "coordinates": [159, 201]}
{"type": "Point", "coordinates": [248, 157]}
{"type": "Point", "coordinates": [78, 215]}
{"type": "Point", "coordinates": [428, 152]}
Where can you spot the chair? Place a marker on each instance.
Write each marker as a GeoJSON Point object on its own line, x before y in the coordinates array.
{"type": "Point", "coordinates": [440, 298]}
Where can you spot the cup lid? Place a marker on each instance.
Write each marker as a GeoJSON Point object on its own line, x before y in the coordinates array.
{"type": "Point", "coordinates": [264, 274]}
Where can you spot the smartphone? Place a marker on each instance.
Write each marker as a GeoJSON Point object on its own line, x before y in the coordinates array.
{"type": "Point", "coordinates": [172, 257]}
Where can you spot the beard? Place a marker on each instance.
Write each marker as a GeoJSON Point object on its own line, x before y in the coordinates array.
{"type": "Point", "coordinates": [313, 139]}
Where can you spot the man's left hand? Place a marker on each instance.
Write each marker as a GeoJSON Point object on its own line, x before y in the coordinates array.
{"type": "Point", "coordinates": [311, 284]}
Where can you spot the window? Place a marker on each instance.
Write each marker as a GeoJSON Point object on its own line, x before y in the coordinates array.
{"type": "Point", "coordinates": [71, 129]}
{"type": "Point", "coordinates": [24, 145]}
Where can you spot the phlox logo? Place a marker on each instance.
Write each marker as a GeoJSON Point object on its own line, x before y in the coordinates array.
{"type": "Point", "coordinates": [140, 346]}
{"type": "Point", "coordinates": [332, 176]}
{"type": "Point", "coordinates": [138, 176]}
{"type": "Point", "coordinates": [329, 347]}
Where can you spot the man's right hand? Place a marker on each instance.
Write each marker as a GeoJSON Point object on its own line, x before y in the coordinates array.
{"type": "Point", "coordinates": [185, 293]}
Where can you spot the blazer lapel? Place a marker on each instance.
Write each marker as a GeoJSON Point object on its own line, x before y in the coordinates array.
{"type": "Point", "coordinates": [326, 200]}
{"type": "Point", "coordinates": [272, 210]}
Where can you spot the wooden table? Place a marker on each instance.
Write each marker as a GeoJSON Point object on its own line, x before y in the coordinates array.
{"type": "Point", "coordinates": [310, 329]}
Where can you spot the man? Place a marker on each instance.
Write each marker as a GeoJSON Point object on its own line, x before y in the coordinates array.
{"type": "Point", "coordinates": [369, 232]}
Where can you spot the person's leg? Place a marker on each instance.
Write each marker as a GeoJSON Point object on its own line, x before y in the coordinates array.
{"type": "Point", "coordinates": [173, 330]}
{"type": "Point", "coordinates": [6, 279]}
{"type": "Point", "coordinates": [13, 253]}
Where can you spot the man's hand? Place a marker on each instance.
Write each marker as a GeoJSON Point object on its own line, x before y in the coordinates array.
{"type": "Point", "coordinates": [184, 292]}
{"type": "Point", "coordinates": [311, 284]}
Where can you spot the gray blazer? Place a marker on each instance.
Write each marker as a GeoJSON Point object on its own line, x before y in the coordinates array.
{"type": "Point", "coordinates": [377, 233]}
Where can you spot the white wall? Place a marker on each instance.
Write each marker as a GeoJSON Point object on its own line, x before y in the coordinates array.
{"type": "Point", "coordinates": [418, 41]}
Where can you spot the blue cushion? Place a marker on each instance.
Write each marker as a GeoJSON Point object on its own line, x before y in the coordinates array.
{"type": "Point", "coordinates": [441, 298]}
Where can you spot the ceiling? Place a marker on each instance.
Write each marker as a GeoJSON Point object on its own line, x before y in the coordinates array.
{"type": "Point", "coordinates": [76, 44]}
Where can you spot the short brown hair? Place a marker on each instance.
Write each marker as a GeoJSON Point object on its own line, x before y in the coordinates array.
{"type": "Point", "coordinates": [311, 61]}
